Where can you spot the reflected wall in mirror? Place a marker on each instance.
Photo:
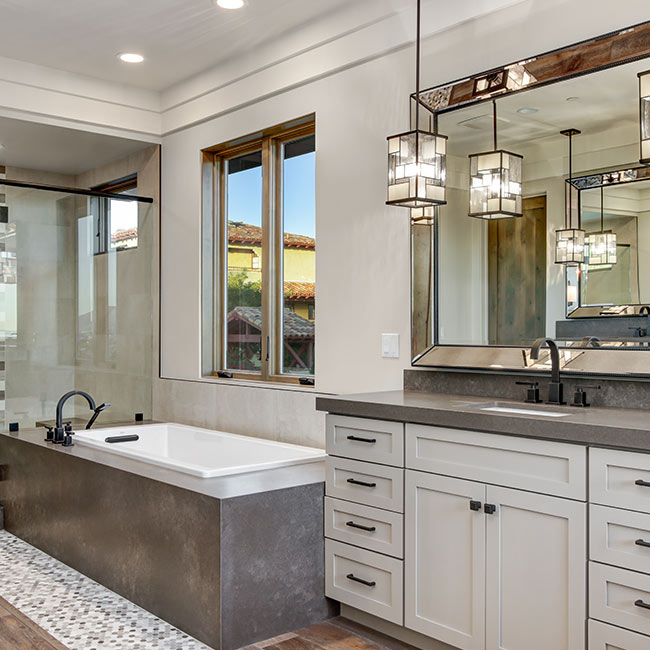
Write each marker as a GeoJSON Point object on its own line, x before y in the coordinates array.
{"type": "Point", "coordinates": [498, 283]}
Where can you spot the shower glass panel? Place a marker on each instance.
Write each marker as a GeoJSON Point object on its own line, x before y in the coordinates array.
{"type": "Point", "coordinates": [73, 314]}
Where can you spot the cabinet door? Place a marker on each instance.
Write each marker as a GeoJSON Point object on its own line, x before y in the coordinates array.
{"type": "Point", "coordinates": [445, 560]}
{"type": "Point", "coordinates": [536, 572]}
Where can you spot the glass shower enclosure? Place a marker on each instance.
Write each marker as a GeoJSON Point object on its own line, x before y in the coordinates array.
{"type": "Point", "coordinates": [76, 302]}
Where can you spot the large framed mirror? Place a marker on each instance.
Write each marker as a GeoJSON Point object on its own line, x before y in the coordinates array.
{"type": "Point", "coordinates": [483, 289]}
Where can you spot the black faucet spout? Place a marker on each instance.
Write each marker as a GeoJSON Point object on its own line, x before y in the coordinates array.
{"type": "Point", "coordinates": [59, 431]}
{"type": "Point", "coordinates": [555, 391]}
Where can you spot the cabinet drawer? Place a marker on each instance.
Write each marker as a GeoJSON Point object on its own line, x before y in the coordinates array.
{"type": "Point", "coordinates": [367, 483]}
{"type": "Point", "coordinates": [607, 637]}
{"type": "Point", "coordinates": [617, 596]}
{"type": "Point", "coordinates": [620, 537]}
{"type": "Point", "coordinates": [375, 441]}
{"type": "Point", "coordinates": [371, 528]}
{"type": "Point", "coordinates": [365, 580]}
{"type": "Point", "coordinates": [536, 465]}
{"type": "Point", "coordinates": [619, 478]}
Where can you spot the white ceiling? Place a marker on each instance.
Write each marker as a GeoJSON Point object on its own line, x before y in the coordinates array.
{"type": "Point", "coordinates": [179, 38]}
{"type": "Point", "coordinates": [54, 149]}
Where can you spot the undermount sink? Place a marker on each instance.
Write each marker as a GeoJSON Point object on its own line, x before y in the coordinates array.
{"type": "Point", "coordinates": [513, 409]}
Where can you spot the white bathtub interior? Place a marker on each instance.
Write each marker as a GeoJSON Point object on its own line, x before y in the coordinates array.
{"type": "Point", "coordinates": [200, 452]}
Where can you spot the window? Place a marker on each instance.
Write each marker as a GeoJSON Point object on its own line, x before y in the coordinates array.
{"type": "Point", "coordinates": [116, 221]}
{"type": "Point", "coordinates": [260, 217]}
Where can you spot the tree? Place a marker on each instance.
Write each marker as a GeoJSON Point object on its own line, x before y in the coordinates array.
{"type": "Point", "coordinates": [243, 292]}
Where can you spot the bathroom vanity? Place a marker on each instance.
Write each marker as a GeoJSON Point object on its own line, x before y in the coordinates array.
{"type": "Point", "coordinates": [465, 522]}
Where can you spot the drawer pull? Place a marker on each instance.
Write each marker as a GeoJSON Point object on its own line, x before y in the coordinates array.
{"type": "Point", "coordinates": [641, 482]}
{"type": "Point", "coordinates": [642, 542]}
{"type": "Point", "coordinates": [475, 505]}
{"type": "Point", "coordinates": [358, 439]}
{"type": "Point", "coordinates": [370, 529]}
{"type": "Point", "coordinates": [640, 603]}
{"type": "Point", "coordinates": [354, 481]}
{"type": "Point", "coordinates": [351, 576]}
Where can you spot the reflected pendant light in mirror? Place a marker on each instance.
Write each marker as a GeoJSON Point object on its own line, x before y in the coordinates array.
{"type": "Point", "coordinates": [601, 246]}
{"type": "Point", "coordinates": [644, 115]}
{"type": "Point", "coordinates": [495, 181]}
{"type": "Point", "coordinates": [424, 216]}
{"type": "Point", "coordinates": [417, 160]}
{"type": "Point", "coordinates": [570, 241]}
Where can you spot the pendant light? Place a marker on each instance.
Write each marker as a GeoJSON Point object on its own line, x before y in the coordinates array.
{"type": "Point", "coordinates": [417, 159]}
{"type": "Point", "coordinates": [601, 246]}
{"type": "Point", "coordinates": [570, 242]}
{"type": "Point", "coordinates": [495, 189]}
{"type": "Point", "coordinates": [644, 115]}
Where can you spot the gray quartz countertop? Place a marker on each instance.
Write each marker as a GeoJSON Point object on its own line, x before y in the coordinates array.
{"type": "Point", "coordinates": [602, 427]}
{"type": "Point", "coordinates": [220, 487]}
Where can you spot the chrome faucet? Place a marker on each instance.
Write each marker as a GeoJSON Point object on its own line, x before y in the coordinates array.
{"type": "Point", "coordinates": [62, 433]}
{"type": "Point", "coordinates": [555, 390]}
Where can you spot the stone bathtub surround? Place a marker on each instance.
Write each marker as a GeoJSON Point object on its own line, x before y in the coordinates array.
{"type": "Point", "coordinates": [615, 392]}
{"type": "Point", "coordinates": [230, 561]}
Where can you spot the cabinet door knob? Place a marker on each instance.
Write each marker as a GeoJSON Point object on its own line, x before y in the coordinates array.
{"type": "Point", "coordinates": [351, 576]}
{"type": "Point", "coordinates": [640, 603]}
{"type": "Point", "coordinates": [489, 508]}
{"type": "Point", "coordinates": [475, 505]}
{"type": "Point", "coordinates": [352, 524]}
{"type": "Point", "coordinates": [354, 481]}
{"type": "Point", "coordinates": [642, 542]}
{"type": "Point", "coordinates": [358, 439]}
{"type": "Point", "coordinates": [642, 483]}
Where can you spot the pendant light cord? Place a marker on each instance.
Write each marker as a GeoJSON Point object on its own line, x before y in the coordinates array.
{"type": "Point", "coordinates": [494, 120]}
{"type": "Point", "coordinates": [602, 209]}
{"type": "Point", "coordinates": [417, 80]}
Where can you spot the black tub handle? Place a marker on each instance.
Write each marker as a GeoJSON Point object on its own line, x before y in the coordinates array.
{"type": "Point", "coordinates": [640, 603]}
{"type": "Point", "coordinates": [354, 481]}
{"type": "Point", "coordinates": [642, 542]}
{"type": "Point", "coordinates": [368, 583]}
{"type": "Point", "coordinates": [129, 438]}
{"type": "Point", "coordinates": [642, 483]}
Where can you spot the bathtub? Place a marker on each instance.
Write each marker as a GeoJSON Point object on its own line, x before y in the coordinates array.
{"type": "Point", "coordinates": [199, 452]}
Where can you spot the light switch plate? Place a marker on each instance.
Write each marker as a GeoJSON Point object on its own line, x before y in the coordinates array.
{"type": "Point", "coordinates": [390, 346]}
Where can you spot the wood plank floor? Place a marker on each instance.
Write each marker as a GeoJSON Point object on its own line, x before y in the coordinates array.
{"type": "Point", "coordinates": [17, 632]}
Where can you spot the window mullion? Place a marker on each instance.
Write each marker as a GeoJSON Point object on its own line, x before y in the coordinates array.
{"type": "Point", "coordinates": [268, 261]}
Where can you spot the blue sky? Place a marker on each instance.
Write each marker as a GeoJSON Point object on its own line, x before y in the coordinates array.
{"type": "Point", "coordinates": [245, 195]}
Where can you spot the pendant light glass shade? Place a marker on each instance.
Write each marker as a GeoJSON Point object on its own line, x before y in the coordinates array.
{"type": "Point", "coordinates": [570, 241]}
{"type": "Point", "coordinates": [417, 169]}
{"type": "Point", "coordinates": [601, 246]}
{"type": "Point", "coordinates": [423, 216]}
{"type": "Point", "coordinates": [644, 115]}
{"type": "Point", "coordinates": [569, 246]}
{"type": "Point", "coordinates": [495, 185]}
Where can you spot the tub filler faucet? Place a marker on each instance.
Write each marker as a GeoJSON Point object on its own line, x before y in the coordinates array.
{"type": "Point", "coordinates": [62, 433]}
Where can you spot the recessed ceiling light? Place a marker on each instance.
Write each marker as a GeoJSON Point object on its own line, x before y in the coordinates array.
{"type": "Point", "coordinates": [230, 4]}
{"type": "Point", "coordinates": [131, 57]}
{"type": "Point", "coordinates": [527, 110]}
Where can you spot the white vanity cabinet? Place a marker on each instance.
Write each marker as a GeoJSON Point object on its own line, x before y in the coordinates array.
{"type": "Point", "coordinates": [493, 567]}
{"type": "Point", "coordinates": [475, 540]}
{"type": "Point", "coordinates": [619, 536]}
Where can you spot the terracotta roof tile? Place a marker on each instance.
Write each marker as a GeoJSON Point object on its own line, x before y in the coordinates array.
{"type": "Point", "coordinates": [122, 235]}
{"type": "Point", "coordinates": [245, 233]}
{"type": "Point", "coordinates": [295, 327]}
{"type": "Point", "coordinates": [299, 290]}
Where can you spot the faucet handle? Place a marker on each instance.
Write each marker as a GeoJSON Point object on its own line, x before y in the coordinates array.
{"type": "Point", "coordinates": [580, 397]}
{"type": "Point", "coordinates": [532, 394]}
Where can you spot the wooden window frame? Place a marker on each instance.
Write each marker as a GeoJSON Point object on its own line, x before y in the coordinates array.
{"type": "Point", "coordinates": [270, 143]}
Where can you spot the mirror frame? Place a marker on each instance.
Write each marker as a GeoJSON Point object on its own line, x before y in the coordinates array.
{"type": "Point", "coordinates": [586, 57]}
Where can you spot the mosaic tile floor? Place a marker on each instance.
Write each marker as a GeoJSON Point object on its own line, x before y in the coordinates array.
{"type": "Point", "coordinates": [77, 611]}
